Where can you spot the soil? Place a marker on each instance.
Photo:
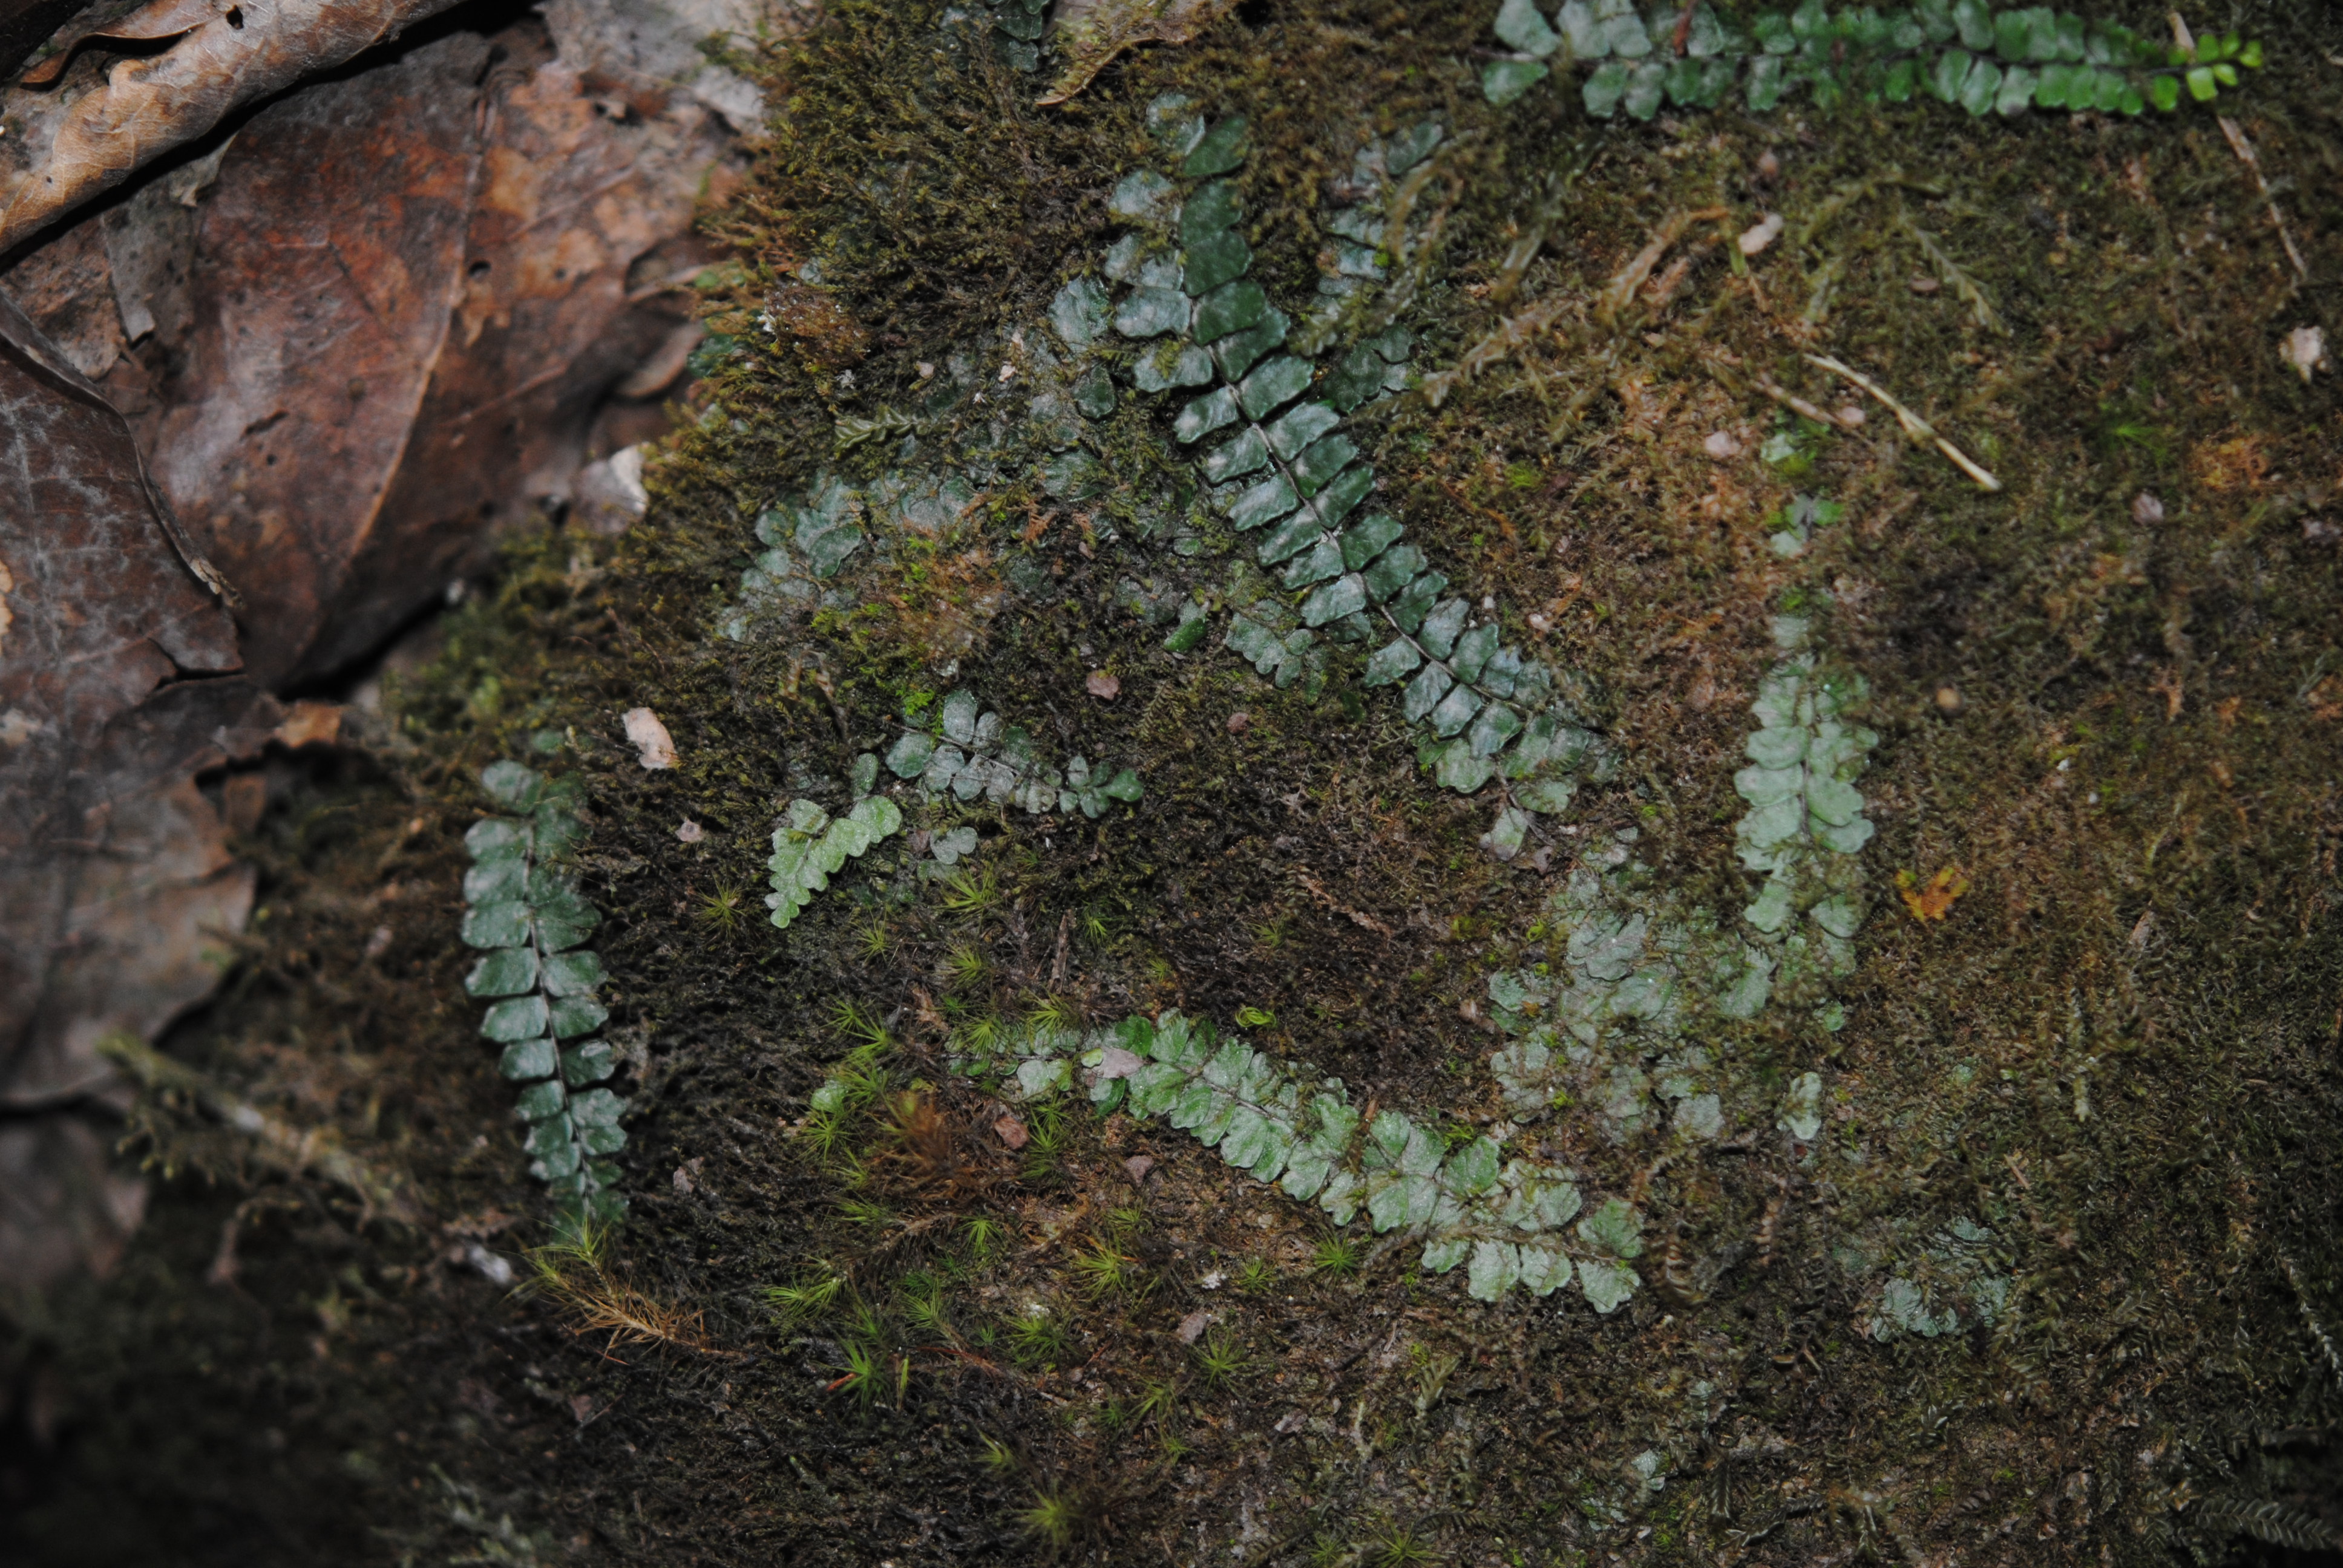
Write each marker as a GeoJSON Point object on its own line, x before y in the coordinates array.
{"type": "Point", "coordinates": [942, 1323]}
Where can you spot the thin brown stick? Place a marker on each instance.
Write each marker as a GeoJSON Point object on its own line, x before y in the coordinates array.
{"type": "Point", "coordinates": [1919, 429]}
{"type": "Point", "coordinates": [2246, 156]}
{"type": "Point", "coordinates": [1792, 401]}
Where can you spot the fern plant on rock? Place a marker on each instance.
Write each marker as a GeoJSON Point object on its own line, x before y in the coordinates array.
{"type": "Point", "coordinates": [524, 908]}
{"type": "Point", "coordinates": [1506, 1220]}
{"type": "Point", "coordinates": [972, 754]}
{"type": "Point", "coordinates": [1281, 467]}
{"type": "Point", "coordinates": [810, 845]}
{"type": "Point", "coordinates": [1959, 51]}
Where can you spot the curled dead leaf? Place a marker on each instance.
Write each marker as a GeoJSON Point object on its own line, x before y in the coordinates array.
{"type": "Point", "coordinates": [148, 24]}
{"type": "Point", "coordinates": [609, 498]}
{"type": "Point", "coordinates": [92, 135]}
{"type": "Point", "coordinates": [654, 748]}
{"type": "Point", "coordinates": [118, 881]}
{"type": "Point", "coordinates": [1090, 33]}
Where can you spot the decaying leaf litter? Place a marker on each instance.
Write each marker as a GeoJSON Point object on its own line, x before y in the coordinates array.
{"type": "Point", "coordinates": [308, 422]}
{"type": "Point", "coordinates": [1809, 1368]}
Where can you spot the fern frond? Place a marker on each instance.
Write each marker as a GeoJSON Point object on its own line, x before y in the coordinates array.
{"type": "Point", "coordinates": [2324, 1340]}
{"type": "Point", "coordinates": [525, 911]}
{"type": "Point", "coordinates": [2267, 1521]}
{"type": "Point", "coordinates": [809, 846]}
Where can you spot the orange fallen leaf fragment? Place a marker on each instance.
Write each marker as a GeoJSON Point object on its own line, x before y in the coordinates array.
{"type": "Point", "coordinates": [310, 724]}
{"type": "Point", "coordinates": [1934, 900]}
{"type": "Point", "coordinates": [1011, 1131]}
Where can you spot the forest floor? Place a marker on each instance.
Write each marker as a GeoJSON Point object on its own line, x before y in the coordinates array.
{"type": "Point", "coordinates": [2041, 1264]}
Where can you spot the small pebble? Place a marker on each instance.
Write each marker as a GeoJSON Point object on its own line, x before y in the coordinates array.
{"type": "Point", "coordinates": [690, 832]}
{"type": "Point", "coordinates": [1768, 165]}
{"type": "Point", "coordinates": [1850, 416]}
{"type": "Point", "coordinates": [1924, 284]}
{"type": "Point", "coordinates": [1721, 445]}
{"type": "Point", "coordinates": [1240, 721]}
{"type": "Point", "coordinates": [2146, 510]}
{"type": "Point", "coordinates": [1011, 1131]}
{"type": "Point", "coordinates": [1102, 686]}
{"type": "Point", "coordinates": [1139, 1165]}
{"type": "Point", "coordinates": [1949, 700]}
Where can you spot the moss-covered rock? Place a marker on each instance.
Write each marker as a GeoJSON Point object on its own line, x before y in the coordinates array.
{"type": "Point", "coordinates": [1481, 1085]}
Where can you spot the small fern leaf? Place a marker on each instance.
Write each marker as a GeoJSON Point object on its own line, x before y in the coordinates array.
{"type": "Point", "coordinates": [2270, 1522]}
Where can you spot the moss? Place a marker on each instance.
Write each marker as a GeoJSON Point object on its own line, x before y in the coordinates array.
{"type": "Point", "coordinates": [2109, 1053]}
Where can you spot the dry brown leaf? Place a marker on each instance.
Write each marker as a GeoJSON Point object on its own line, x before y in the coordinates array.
{"type": "Point", "coordinates": [89, 135]}
{"type": "Point", "coordinates": [256, 434]}
{"type": "Point", "coordinates": [149, 24]}
{"type": "Point", "coordinates": [118, 887]}
{"type": "Point", "coordinates": [1102, 686]}
{"type": "Point", "coordinates": [1932, 901]}
{"type": "Point", "coordinates": [1011, 1130]}
{"type": "Point", "coordinates": [310, 724]}
{"type": "Point", "coordinates": [1090, 33]}
{"type": "Point", "coordinates": [342, 442]}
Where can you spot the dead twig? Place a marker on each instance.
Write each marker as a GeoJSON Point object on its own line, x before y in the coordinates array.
{"type": "Point", "coordinates": [1630, 277]}
{"type": "Point", "coordinates": [294, 1151]}
{"type": "Point", "coordinates": [2246, 156]}
{"type": "Point", "coordinates": [1966, 289]}
{"type": "Point", "coordinates": [1919, 429]}
{"type": "Point", "coordinates": [1796, 404]}
{"type": "Point", "coordinates": [1509, 335]}
{"type": "Point", "coordinates": [1358, 917]}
